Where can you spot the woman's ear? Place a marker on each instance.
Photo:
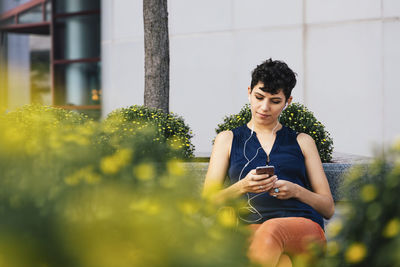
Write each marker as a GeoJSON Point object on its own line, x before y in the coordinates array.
{"type": "Point", "coordinates": [288, 103]}
{"type": "Point", "coordinates": [248, 92]}
{"type": "Point", "coordinates": [289, 100]}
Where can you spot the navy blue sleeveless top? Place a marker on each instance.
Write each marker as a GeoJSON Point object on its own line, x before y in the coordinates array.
{"type": "Point", "coordinates": [287, 158]}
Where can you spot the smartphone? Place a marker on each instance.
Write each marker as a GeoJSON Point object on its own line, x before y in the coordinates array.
{"type": "Point", "coordinates": [270, 170]}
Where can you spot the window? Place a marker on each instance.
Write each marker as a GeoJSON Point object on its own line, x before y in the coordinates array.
{"type": "Point", "coordinates": [73, 59]}
{"type": "Point", "coordinates": [76, 54]}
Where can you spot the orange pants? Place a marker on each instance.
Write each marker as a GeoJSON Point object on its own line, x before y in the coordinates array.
{"type": "Point", "coordinates": [273, 240]}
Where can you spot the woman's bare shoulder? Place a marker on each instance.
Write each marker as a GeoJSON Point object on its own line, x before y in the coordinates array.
{"type": "Point", "coordinates": [224, 136]}
{"type": "Point", "coordinates": [306, 142]}
{"type": "Point", "coordinates": [304, 138]}
{"type": "Point", "coordinates": [224, 141]}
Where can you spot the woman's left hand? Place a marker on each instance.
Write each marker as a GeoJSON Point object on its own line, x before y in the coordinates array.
{"type": "Point", "coordinates": [284, 190]}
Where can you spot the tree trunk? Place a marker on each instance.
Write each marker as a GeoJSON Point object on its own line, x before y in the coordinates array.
{"type": "Point", "coordinates": [156, 47]}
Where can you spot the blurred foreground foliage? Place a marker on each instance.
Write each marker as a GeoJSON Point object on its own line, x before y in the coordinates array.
{"type": "Point", "coordinates": [367, 232]}
{"type": "Point", "coordinates": [75, 193]}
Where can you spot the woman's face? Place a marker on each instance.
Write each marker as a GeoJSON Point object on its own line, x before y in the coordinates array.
{"type": "Point", "coordinates": [266, 107]}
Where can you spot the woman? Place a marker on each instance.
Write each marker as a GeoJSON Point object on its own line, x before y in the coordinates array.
{"type": "Point", "coordinates": [285, 209]}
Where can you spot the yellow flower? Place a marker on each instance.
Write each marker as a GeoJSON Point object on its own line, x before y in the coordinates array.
{"type": "Point", "coordinates": [392, 228]}
{"type": "Point", "coordinates": [153, 208]}
{"type": "Point", "coordinates": [189, 207]}
{"type": "Point", "coordinates": [109, 165]}
{"type": "Point", "coordinates": [227, 217]}
{"type": "Point", "coordinates": [85, 173]}
{"type": "Point", "coordinates": [112, 164]}
{"type": "Point", "coordinates": [368, 193]}
{"type": "Point", "coordinates": [356, 252]}
{"type": "Point", "coordinates": [145, 205]}
{"type": "Point", "coordinates": [175, 168]}
{"type": "Point", "coordinates": [144, 171]}
{"type": "Point", "coordinates": [74, 138]}
{"type": "Point", "coordinates": [334, 228]}
{"type": "Point", "coordinates": [174, 143]}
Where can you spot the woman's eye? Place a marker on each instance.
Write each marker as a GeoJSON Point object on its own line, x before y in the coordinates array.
{"type": "Point", "coordinates": [259, 98]}
{"type": "Point", "coordinates": [276, 102]}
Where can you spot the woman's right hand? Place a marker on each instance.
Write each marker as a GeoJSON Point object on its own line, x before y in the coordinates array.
{"type": "Point", "coordinates": [257, 183]}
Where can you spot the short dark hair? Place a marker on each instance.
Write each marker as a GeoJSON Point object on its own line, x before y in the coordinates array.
{"type": "Point", "coordinates": [275, 75]}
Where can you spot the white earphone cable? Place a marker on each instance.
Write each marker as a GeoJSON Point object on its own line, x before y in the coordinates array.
{"type": "Point", "coordinates": [250, 207]}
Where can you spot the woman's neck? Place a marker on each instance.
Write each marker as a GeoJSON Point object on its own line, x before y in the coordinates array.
{"type": "Point", "coordinates": [264, 128]}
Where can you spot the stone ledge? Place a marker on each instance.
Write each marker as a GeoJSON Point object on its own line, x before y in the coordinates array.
{"type": "Point", "coordinates": [345, 158]}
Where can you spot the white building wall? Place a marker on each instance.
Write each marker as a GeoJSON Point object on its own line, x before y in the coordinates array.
{"type": "Point", "coordinates": [122, 54]}
{"type": "Point", "coordinates": [344, 51]}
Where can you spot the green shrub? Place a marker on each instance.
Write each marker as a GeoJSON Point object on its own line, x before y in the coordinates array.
{"type": "Point", "coordinates": [170, 128]}
{"type": "Point", "coordinates": [367, 230]}
{"type": "Point", "coordinates": [295, 116]}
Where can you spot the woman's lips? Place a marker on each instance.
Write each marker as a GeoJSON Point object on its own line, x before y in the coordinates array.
{"type": "Point", "coordinates": [263, 115]}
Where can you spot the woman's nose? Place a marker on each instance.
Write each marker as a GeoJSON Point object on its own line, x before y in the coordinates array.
{"type": "Point", "coordinates": [265, 105]}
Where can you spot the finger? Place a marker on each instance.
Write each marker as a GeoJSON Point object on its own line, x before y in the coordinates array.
{"type": "Point", "coordinates": [253, 184]}
{"type": "Point", "coordinates": [260, 188]}
{"type": "Point", "coordinates": [258, 177]}
{"type": "Point", "coordinates": [280, 183]}
{"type": "Point", "coordinates": [268, 186]}
{"type": "Point", "coordinates": [275, 191]}
{"type": "Point", "coordinates": [269, 181]}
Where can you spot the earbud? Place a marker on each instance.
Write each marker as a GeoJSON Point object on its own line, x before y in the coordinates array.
{"type": "Point", "coordinates": [285, 107]}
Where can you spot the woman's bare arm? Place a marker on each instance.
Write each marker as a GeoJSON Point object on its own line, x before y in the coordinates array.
{"type": "Point", "coordinates": [321, 198]}
{"type": "Point", "coordinates": [217, 169]}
